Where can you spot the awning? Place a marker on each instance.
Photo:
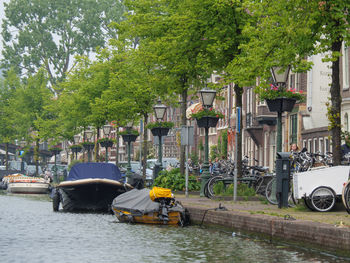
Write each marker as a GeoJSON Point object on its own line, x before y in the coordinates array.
{"type": "Point", "coordinates": [194, 108]}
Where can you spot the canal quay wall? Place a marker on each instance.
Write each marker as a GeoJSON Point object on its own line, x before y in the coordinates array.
{"type": "Point", "coordinates": [287, 229]}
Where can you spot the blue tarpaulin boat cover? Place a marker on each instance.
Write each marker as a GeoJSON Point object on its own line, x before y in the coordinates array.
{"type": "Point", "coordinates": [94, 170]}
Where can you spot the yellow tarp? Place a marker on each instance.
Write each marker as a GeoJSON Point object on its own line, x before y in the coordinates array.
{"type": "Point", "coordinates": [158, 192]}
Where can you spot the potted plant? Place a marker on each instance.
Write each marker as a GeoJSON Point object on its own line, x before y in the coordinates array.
{"type": "Point", "coordinates": [278, 98]}
{"type": "Point", "coordinates": [129, 135]}
{"type": "Point", "coordinates": [88, 145]}
{"type": "Point", "coordinates": [56, 150]}
{"type": "Point", "coordinates": [160, 128]}
{"type": "Point", "coordinates": [207, 117]}
{"type": "Point", "coordinates": [76, 147]}
{"type": "Point", "coordinates": [105, 142]}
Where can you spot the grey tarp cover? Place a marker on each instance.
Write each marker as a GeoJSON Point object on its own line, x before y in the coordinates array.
{"type": "Point", "coordinates": [138, 201]}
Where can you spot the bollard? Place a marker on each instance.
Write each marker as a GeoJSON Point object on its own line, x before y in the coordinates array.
{"type": "Point", "coordinates": [282, 178]}
{"type": "Point", "coordinates": [156, 169]}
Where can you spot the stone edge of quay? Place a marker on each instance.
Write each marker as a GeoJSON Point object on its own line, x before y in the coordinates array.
{"type": "Point", "coordinates": [318, 235]}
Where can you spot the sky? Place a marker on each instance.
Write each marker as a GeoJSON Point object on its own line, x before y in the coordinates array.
{"type": "Point", "coordinates": [2, 15]}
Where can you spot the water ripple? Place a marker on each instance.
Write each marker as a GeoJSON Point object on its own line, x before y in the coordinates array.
{"type": "Point", "coordinates": [31, 232]}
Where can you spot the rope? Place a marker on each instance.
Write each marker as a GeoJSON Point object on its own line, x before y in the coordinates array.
{"type": "Point", "coordinates": [220, 208]}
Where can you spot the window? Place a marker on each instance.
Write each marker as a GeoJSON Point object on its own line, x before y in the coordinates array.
{"type": "Point", "coordinates": [326, 145]}
{"type": "Point", "coordinates": [345, 60]}
{"type": "Point", "coordinates": [266, 137]}
{"type": "Point", "coordinates": [346, 122]}
{"type": "Point", "coordinates": [309, 145]}
{"type": "Point", "coordinates": [304, 143]}
{"type": "Point", "coordinates": [321, 145]}
{"type": "Point", "coordinates": [293, 128]}
{"type": "Point", "coordinates": [315, 145]}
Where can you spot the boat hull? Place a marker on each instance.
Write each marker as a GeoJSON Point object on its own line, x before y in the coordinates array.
{"type": "Point", "coordinates": [90, 194]}
{"type": "Point", "coordinates": [28, 188]}
{"type": "Point", "coordinates": [149, 218]}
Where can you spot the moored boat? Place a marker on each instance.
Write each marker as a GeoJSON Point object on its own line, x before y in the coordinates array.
{"type": "Point", "coordinates": [90, 187]}
{"type": "Point", "coordinates": [156, 206]}
{"type": "Point", "coordinates": [20, 184]}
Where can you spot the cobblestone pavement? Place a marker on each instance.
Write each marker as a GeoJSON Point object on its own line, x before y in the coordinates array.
{"type": "Point", "coordinates": [337, 216]}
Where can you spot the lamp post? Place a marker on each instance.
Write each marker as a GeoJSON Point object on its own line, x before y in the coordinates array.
{"type": "Point", "coordinates": [129, 137]}
{"type": "Point", "coordinates": [159, 111]}
{"type": "Point", "coordinates": [106, 131]}
{"type": "Point", "coordinates": [76, 147]}
{"type": "Point", "coordinates": [207, 98]}
{"type": "Point", "coordinates": [280, 79]}
{"type": "Point", "coordinates": [22, 143]}
{"type": "Point", "coordinates": [88, 136]}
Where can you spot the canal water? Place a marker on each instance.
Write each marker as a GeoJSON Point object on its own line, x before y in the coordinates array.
{"type": "Point", "coordinates": [31, 232]}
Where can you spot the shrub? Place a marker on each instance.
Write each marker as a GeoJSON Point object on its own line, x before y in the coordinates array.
{"type": "Point", "coordinates": [242, 190]}
{"type": "Point", "coordinates": [176, 181]}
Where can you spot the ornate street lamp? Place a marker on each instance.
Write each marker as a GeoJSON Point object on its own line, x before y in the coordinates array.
{"type": "Point", "coordinates": [159, 111]}
{"type": "Point", "coordinates": [207, 98]}
{"type": "Point", "coordinates": [89, 146]}
{"type": "Point", "coordinates": [76, 139]}
{"type": "Point", "coordinates": [22, 143]}
{"type": "Point", "coordinates": [107, 143]}
{"type": "Point", "coordinates": [55, 151]}
{"type": "Point", "coordinates": [76, 147]}
{"type": "Point", "coordinates": [129, 137]}
{"type": "Point", "coordinates": [280, 79]}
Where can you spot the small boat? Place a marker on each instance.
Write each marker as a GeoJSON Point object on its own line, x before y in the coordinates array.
{"type": "Point", "coordinates": [21, 184]}
{"type": "Point", "coordinates": [89, 187]}
{"type": "Point", "coordinates": [156, 206]}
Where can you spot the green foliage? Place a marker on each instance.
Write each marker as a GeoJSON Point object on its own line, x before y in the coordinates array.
{"type": "Point", "coordinates": [87, 143]}
{"type": "Point", "coordinates": [129, 131]}
{"type": "Point", "coordinates": [175, 181]}
{"type": "Point", "coordinates": [55, 149]}
{"type": "Point", "coordinates": [162, 124]}
{"type": "Point", "coordinates": [272, 92]}
{"type": "Point", "coordinates": [242, 190]}
{"type": "Point", "coordinates": [224, 140]}
{"type": "Point", "coordinates": [194, 157]}
{"type": "Point", "coordinates": [213, 153]}
{"type": "Point", "coordinates": [105, 140]}
{"type": "Point", "coordinates": [48, 33]}
{"type": "Point", "coordinates": [207, 113]}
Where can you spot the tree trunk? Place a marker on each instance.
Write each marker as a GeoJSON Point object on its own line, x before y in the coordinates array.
{"type": "Point", "coordinates": [183, 122]}
{"type": "Point", "coordinates": [238, 101]}
{"type": "Point", "coordinates": [117, 146]}
{"type": "Point", "coordinates": [36, 157]}
{"type": "Point", "coordinates": [144, 147]}
{"type": "Point", "coordinates": [7, 155]}
{"type": "Point", "coordinates": [336, 106]}
{"type": "Point", "coordinates": [97, 147]}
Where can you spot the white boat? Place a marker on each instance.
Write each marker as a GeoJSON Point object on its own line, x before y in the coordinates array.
{"type": "Point", "coordinates": [28, 185]}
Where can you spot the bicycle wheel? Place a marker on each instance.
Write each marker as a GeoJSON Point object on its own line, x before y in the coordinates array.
{"type": "Point", "coordinates": [346, 197]}
{"type": "Point", "coordinates": [270, 192]}
{"type": "Point", "coordinates": [210, 186]}
{"type": "Point", "coordinates": [322, 199]}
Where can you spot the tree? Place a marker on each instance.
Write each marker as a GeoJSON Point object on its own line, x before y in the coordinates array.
{"type": "Point", "coordinates": [28, 108]}
{"type": "Point", "coordinates": [134, 87]}
{"type": "Point", "coordinates": [189, 40]}
{"type": "Point", "coordinates": [285, 33]}
{"type": "Point", "coordinates": [48, 33]}
{"type": "Point", "coordinates": [8, 131]}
